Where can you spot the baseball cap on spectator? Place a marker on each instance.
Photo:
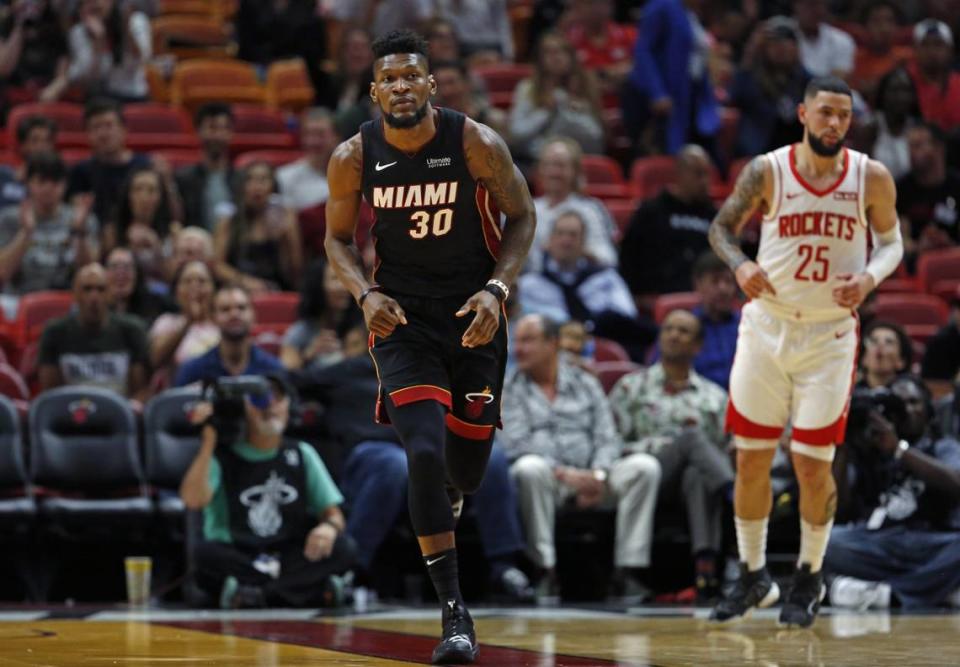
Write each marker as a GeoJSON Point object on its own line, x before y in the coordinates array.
{"type": "Point", "coordinates": [932, 28]}
{"type": "Point", "coordinates": [782, 27]}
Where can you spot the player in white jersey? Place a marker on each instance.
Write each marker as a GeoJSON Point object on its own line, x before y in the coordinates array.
{"type": "Point", "coordinates": [798, 338]}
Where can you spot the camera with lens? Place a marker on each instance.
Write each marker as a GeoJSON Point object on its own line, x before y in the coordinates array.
{"type": "Point", "coordinates": [866, 401]}
{"type": "Point", "coordinates": [227, 395]}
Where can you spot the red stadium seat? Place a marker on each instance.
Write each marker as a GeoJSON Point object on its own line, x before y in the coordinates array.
{"type": "Point", "coordinates": [621, 210]}
{"type": "Point", "coordinates": [649, 175]}
{"type": "Point", "coordinates": [29, 367]}
{"type": "Point", "coordinates": [608, 372]}
{"type": "Point", "coordinates": [68, 117]}
{"type": "Point", "coordinates": [899, 285]}
{"type": "Point", "coordinates": [35, 310]}
{"type": "Point", "coordinates": [256, 128]}
{"type": "Point", "coordinates": [907, 309]}
{"type": "Point", "coordinates": [9, 159]}
{"type": "Point", "coordinates": [158, 126]}
{"type": "Point", "coordinates": [727, 135]}
{"type": "Point", "coordinates": [674, 301]}
{"type": "Point", "coordinates": [72, 156]}
{"type": "Point", "coordinates": [179, 157]}
{"type": "Point", "coordinates": [608, 350]}
{"type": "Point", "coordinates": [275, 311]}
{"type": "Point", "coordinates": [12, 385]}
{"type": "Point", "coordinates": [921, 333]}
{"type": "Point", "coordinates": [948, 290]}
{"type": "Point", "coordinates": [936, 265]}
{"type": "Point", "coordinates": [503, 77]}
{"type": "Point", "coordinates": [274, 157]}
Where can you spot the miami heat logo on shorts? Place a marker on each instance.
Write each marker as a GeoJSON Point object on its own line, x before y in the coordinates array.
{"type": "Point", "coordinates": [476, 400]}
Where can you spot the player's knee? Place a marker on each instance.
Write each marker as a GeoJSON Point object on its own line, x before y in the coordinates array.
{"type": "Point", "coordinates": [424, 461]}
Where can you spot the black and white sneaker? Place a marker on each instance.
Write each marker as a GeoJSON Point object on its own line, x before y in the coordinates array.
{"type": "Point", "coordinates": [803, 599]}
{"type": "Point", "coordinates": [459, 643]}
{"type": "Point", "coordinates": [753, 590]}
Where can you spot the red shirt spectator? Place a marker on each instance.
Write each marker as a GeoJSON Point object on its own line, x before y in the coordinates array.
{"type": "Point", "coordinates": [602, 46]}
{"type": "Point", "coordinates": [938, 87]}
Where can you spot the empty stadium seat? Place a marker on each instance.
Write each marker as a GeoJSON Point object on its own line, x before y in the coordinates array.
{"type": "Point", "coordinates": [196, 82]}
{"type": "Point", "coordinates": [936, 265]}
{"type": "Point", "coordinates": [288, 85]}
{"type": "Point", "coordinates": [501, 80]}
{"type": "Point", "coordinates": [911, 309]}
{"type": "Point", "coordinates": [604, 178]}
{"type": "Point", "coordinates": [609, 372]}
{"type": "Point", "coordinates": [608, 350]}
{"type": "Point", "coordinates": [621, 210]}
{"type": "Point", "coordinates": [191, 36]}
{"type": "Point", "coordinates": [158, 126]}
{"type": "Point", "coordinates": [948, 290]}
{"type": "Point", "coordinates": [275, 311]}
{"type": "Point", "coordinates": [649, 175]}
{"type": "Point", "coordinates": [84, 455]}
{"type": "Point", "coordinates": [68, 117]}
{"type": "Point", "coordinates": [673, 301]}
{"type": "Point", "coordinates": [171, 443]}
{"type": "Point", "coordinates": [897, 285]}
{"type": "Point", "coordinates": [180, 157]}
{"type": "Point", "coordinates": [16, 499]}
{"type": "Point", "coordinates": [256, 128]}
{"type": "Point", "coordinates": [35, 310]}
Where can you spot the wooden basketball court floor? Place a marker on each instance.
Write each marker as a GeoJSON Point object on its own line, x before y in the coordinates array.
{"type": "Point", "coordinates": [538, 637]}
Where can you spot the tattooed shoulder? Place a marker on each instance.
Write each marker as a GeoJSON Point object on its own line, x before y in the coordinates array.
{"type": "Point", "coordinates": [748, 195]}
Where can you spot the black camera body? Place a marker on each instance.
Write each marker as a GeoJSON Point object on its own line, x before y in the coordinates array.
{"type": "Point", "coordinates": [227, 394]}
{"type": "Point", "coordinates": [866, 401]}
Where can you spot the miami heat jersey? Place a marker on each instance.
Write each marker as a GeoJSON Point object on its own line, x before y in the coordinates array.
{"type": "Point", "coordinates": [436, 230]}
{"type": "Point", "coordinates": [810, 236]}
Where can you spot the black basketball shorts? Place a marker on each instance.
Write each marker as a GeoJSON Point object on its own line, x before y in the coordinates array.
{"type": "Point", "coordinates": [424, 359]}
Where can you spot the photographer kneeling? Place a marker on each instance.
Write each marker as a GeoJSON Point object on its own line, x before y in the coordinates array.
{"type": "Point", "coordinates": [898, 484]}
{"type": "Point", "coordinates": [272, 528]}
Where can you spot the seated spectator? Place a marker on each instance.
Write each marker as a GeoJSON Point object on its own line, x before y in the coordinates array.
{"type": "Point", "coordinates": [454, 91]}
{"type": "Point", "coordinates": [35, 134]}
{"type": "Point", "coordinates": [571, 286]}
{"type": "Point", "coordinates": [560, 98]}
{"type": "Point", "coordinates": [603, 47]}
{"type": "Point", "coordinates": [259, 246]}
{"type": "Point", "coordinates": [443, 43]}
{"type": "Point", "coordinates": [896, 112]}
{"type": "Point", "coordinates": [176, 338]}
{"type": "Point", "coordinates": [43, 240]}
{"type": "Point", "coordinates": [127, 290]}
{"type": "Point", "coordinates": [92, 346]}
{"type": "Point", "coordinates": [672, 413]}
{"type": "Point", "coordinates": [375, 471]}
{"type": "Point", "coordinates": [346, 91]}
{"type": "Point", "coordinates": [273, 531]}
{"type": "Point", "coordinates": [560, 434]}
{"type": "Point", "coordinates": [937, 84]}
{"type": "Point", "coordinates": [669, 100]}
{"type": "Point", "coordinates": [303, 183]}
{"type": "Point", "coordinates": [111, 163]}
{"type": "Point", "coordinates": [824, 49]}
{"type": "Point", "coordinates": [191, 244]}
{"type": "Point", "coordinates": [887, 352]}
{"type": "Point", "coordinates": [940, 368]}
{"type": "Point", "coordinates": [279, 29]}
{"type": "Point", "coordinates": [207, 187]}
{"type": "Point", "coordinates": [669, 232]}
{"type": "Point", "coordinates": [719, 318]}
{"type": "Point", "coordinates": [926, 196]}
{"type": "Point", "coordinates": [327, 313]}
{"type": "Point", "coordinates": [898, 488]}
{"type": "Point", "coordinates": [33, 55]}
{"type": "Point", "coordinates": [561, 178]}
{"type": "Point", "coordinates": [767, 89]}
{"type": "Point", "coordinates": [576, 345]}
{"type": "Point", "coordinates": [483, 27]}
{"type": "Point", "coordinates": [110, 47]}
{"type": "Point", "coordinates": [143, 203]}
{"type": "Point", "coordinates": [236, 354]}
{"type": "Point", "coordinates": [879, 54]}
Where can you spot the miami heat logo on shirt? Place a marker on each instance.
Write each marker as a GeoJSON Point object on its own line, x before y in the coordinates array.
{"type": "Point", "coordinates": [476, 400]}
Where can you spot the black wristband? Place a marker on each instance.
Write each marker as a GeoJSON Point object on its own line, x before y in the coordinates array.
{"type": "Point", "coordinates": [365, 293]}
{"type": "Point", "coordinates": [496, 291]}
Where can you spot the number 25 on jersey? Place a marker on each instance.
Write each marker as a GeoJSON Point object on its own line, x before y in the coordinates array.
{"type": "Point", "coordinates": [814, 264]}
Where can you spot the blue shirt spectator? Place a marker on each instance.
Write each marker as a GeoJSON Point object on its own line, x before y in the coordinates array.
{"type": "Point", "coordinates": [210, 365]}
{"type": "Point", "coordinates": [719, 345]}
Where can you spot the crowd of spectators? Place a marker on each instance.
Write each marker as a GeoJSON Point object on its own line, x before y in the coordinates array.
{"type": "Point", "coordinates": [164, 263]}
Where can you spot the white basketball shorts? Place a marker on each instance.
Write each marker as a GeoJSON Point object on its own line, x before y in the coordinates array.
{"type": "Point", "coordinates": [794, 371]}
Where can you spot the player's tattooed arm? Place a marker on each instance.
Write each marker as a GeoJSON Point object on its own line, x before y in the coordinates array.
{"type": "Point", "coordinates": [489, 161]}
{"type": "Point", "coordinates": [344, 174]}
{"type": "Point", "coordinates": [751, 192]}
{"type": "Point", "coordinates": [748, 195]}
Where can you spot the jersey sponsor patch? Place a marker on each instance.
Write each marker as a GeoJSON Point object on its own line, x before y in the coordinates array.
{"type": "Point", "coordinates": [845, 196]}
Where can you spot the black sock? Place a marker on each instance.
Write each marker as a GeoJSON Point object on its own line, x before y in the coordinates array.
{"type": "Point", "coordinates": [442, 567]}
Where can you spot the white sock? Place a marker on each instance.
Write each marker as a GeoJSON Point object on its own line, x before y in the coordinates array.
{"type": "Point", "coordinates": [813, 543]}
{"type": "Point", "coordinates": [752, 542]}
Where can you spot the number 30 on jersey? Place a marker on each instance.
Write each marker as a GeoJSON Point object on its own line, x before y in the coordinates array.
{"type": "Point", "coordinates": [437, 224]}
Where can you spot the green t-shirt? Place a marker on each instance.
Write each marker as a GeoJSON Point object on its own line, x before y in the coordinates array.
{"type": "Point", "coordinates": [322, 492]}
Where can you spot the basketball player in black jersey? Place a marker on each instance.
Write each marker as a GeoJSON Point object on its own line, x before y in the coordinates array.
{"type": "Point", "coordinates": [437, 182]}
